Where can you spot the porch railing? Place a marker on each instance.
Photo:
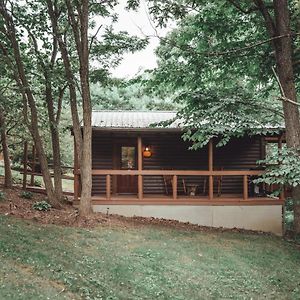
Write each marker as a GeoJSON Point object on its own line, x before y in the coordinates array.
{"type": "Point", "coordinates": [174, 173]}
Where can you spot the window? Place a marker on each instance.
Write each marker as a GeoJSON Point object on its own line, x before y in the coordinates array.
{"type": "Point", "coordinates": [127, 157]}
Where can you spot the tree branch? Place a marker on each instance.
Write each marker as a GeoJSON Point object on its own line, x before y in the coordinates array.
{"type": "Point", "coordinates": [283, 97]}
{"type": "Point", "coordinates": [246, 11]}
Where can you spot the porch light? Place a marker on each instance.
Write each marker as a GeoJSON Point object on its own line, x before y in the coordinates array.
{"type": "Point", "coordinates": [147, 152]}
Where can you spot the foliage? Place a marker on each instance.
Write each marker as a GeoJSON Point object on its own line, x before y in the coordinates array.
{"type": "Point", "coordinates": [286, 170]}
{"type": "Point", "coordinates": [41, 206]}
{"type": "Point", "coordinates": [222, 75]}
{"type": "Point", "coordinates": [225, 114]}
{"type": "Point", "coordinates": [2, 196]}
{"type": "Point", "coordinates": [26, 195]}
{"type": "Point", "coordinates": [128, 95]}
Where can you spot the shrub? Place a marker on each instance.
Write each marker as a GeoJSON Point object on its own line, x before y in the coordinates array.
{"type": "Point", "coordinates": [2, 196]}
{"type": "Point", "coordinates": [16, 179]}
{"type": "Point", "coordinates": [37, 182]}
{"type": "Point", "coordinates": [26, 195]}
{"type": "Point", "coordinates": [289, 204]}
{"type": "Point", "coordinates": [41, 206]}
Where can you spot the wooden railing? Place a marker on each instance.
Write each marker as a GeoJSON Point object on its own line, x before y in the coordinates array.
{"type": "Point", "coordinates": [174, 173]}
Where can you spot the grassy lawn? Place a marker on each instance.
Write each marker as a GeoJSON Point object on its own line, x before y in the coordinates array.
{"type": "Point", "coordinates": [143, 262]}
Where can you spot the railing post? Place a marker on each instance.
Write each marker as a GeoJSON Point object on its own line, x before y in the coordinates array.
{"type": "Point", "coordinates": [245, 187]}
{"type": "Point", "coordinates": [174, 185]}
{"type": "Point", "coordinates": [140, 187]}
{"type": "Point", "coordinates": [210, 187]}
{"type": "Point", "coordinates": [108, 189]}
{"type": "Point", "coordinates": [25, 161]}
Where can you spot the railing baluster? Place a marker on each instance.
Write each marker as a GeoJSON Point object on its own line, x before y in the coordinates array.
{"type": "Point", "coordinates": [108, 189]}
{"type": "Point", "coordinates": [174, 184]}
{"type": "Point", "coordinates": [245, 187]}
{"type": "Point", "coordinates": [140, 187]}
{"type": "Point", "coordinates": [210, 187]}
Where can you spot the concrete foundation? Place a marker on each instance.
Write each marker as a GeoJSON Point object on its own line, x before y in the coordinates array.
{"type": "Point", "coordinates": [266, 218]}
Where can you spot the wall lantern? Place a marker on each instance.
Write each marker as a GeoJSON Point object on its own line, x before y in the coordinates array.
{"type": "Point", "coordinates": [147, 152]}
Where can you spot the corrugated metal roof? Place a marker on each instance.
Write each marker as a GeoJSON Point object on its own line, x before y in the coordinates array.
{"type": "Point", "coordinates": [132, 119]}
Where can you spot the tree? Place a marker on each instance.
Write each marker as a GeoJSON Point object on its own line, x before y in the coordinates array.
{"type": "Point", "coordinates": [129, 95]}
{"type": "Point", "coordinates": [79, 15]}
{"type": "Point", "coordinates": [10, 46]}
{"type": "Point", "coordinates": [226, 51]}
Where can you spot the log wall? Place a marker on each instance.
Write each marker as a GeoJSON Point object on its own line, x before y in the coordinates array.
{"type": "Point", "coordinates": [170, 152]}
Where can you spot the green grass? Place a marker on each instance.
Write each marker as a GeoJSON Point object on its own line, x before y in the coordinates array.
{"type": "Point", "coordinates": [143, 262]}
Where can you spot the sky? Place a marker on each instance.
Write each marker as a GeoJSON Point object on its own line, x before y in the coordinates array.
{"type": "Point", "coordinates": [137, 23]}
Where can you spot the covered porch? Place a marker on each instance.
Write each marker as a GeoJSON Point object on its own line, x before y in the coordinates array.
{"type": "Point", "coordinates": [148, 184]}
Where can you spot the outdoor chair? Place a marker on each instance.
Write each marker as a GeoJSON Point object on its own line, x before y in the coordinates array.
{"type": "Point", "coordinates": [168, 183]}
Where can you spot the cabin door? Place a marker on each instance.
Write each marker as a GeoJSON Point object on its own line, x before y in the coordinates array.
{"type": "Point", "coordinates": [127, 184]}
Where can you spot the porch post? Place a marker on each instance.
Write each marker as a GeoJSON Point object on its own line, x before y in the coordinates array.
{"type": "Point", "coordinates": [174, 185]}
{"type": "Point", "coordinates": [76, 175]}
{"type": "Point", "coordinates": [281, 196]}
{"type": "Point", "coordinates": [140, 167]}
{"type": "Point", "coordinates": [25, 161]}
{"type": "Point", "coordinates": [210, 168]}
{"type": "Point", "coordinates": [108, 188]}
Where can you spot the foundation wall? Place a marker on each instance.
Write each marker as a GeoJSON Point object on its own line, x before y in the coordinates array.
{"type": "Point", "coordinates": [267, 218]}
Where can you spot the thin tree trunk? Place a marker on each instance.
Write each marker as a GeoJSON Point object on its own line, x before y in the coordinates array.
{"type": "Point", "coordinates": [54, 141]}
{"type": "Point", "coordinates": [69, 75]}
{"type": "Point", "coordinates": [7, 168]}
{"type": "Point", "coordinates": [27, 97]}
{"type": "Point", "coordinates": [83, 139]}
{"type": "Point", "coordinates": [85, 207]}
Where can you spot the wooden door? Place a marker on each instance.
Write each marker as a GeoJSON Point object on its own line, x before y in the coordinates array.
{"type": "Point", "coordinates": [127, 184]}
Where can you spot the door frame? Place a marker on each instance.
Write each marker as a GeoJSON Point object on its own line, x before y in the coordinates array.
{"type": "Point", "coordinates": [117, 144]}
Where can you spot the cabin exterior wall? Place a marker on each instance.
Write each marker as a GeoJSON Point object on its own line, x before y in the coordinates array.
{"type": "Point", "coordinates": [170, 152]}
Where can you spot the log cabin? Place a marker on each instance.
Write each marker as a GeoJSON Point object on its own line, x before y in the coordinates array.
{"type": "Point", "coordinates": [142, 169]}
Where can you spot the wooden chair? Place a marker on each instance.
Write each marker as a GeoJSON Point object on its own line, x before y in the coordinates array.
{"type": "Point", "coordinates": [168, 182]}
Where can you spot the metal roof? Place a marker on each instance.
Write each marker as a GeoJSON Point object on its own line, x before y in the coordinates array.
{"type": "Point", "coordinates": [132, 119]}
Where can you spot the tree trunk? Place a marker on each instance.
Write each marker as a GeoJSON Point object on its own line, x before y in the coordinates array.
{"type": "Point", "coordinates": [85, 207]}
{"type": "Point", "coordinates": [28, 99]}
{"type": "Point", "coordinates": [279, 25]}
{"type": "Point", "coordinates": [69, 75]}
{"type": "Point", "coordinates": [284, 65]}
{"type": "Point", "coordinates": [83, 139]}
{"type": "Point", "coordinates": [7, 169]}
{"type": "Point", "coordinates": [54, 141]}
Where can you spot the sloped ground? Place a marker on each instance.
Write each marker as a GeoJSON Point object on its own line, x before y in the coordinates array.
{"type": "Point", "coordinates": [142, 262]}
{"type": "Point", "coordinates": [110, 257]}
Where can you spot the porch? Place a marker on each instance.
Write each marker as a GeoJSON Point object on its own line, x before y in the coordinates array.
{"type": "Point", "coordinates": [204, 182]}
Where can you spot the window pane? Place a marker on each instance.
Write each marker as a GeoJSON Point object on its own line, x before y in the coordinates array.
{"type": "Point", "coordinates": [128, 157]}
